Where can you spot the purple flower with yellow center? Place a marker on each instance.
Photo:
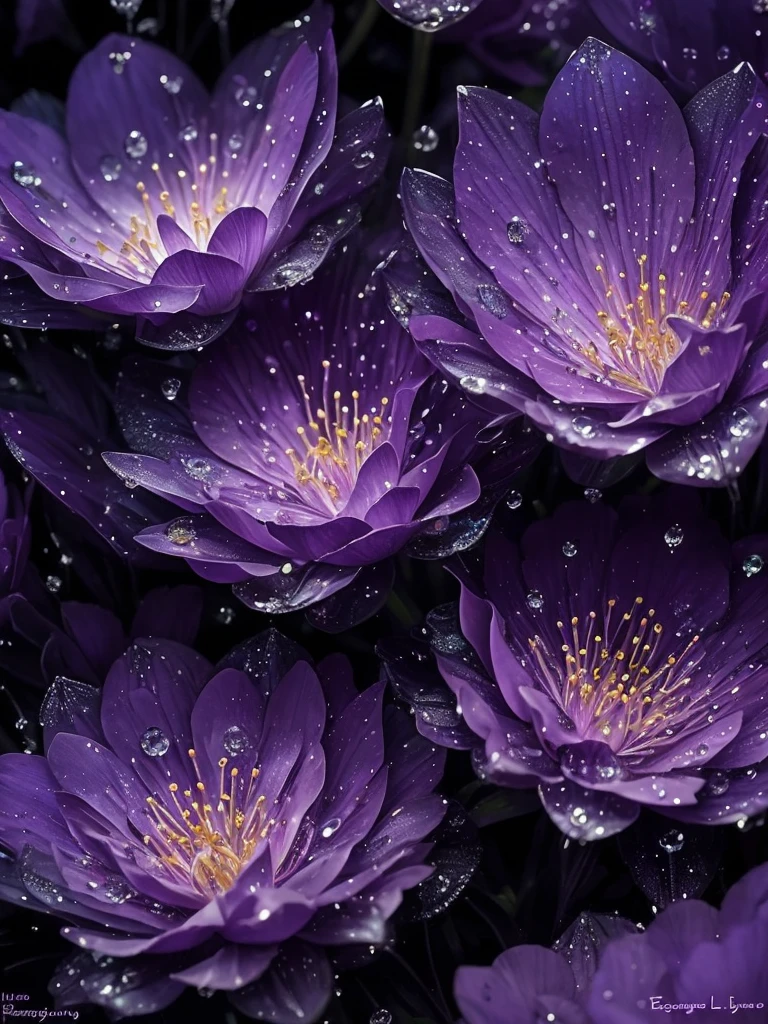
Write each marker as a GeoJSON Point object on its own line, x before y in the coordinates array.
{"type": "Point", "coordinates": [308, 447]}
{"type": "Point", "coordinates": [166, 204]}
{"type": "Point", "coordinates": [217, 827]}
{"type": "Point", "coordinates": [612, 659]}
{"type": "Point", "coordinates": [692, 962]}
{"type": "Point", "coordinates": [607, 262]}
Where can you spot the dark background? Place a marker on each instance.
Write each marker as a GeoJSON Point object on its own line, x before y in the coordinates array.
{"type": "Point", "coordinates": [529, 883]}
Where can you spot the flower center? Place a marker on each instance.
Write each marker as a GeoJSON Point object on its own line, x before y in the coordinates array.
{"type": "Point", "coordinates": [206, 839]}
{"type": "Point", "coordinates": [614, 680]}
{"type": "Point", "coordinates": [639, 343]}
{"type": "Point", "coordinates": [336, 441]}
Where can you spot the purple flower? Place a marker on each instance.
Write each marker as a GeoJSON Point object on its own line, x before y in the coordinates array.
{"type": "Point", "coordinates": [217, 827]}
{"type": "Point", "coordinates": [607, 264]}
{"type": "Point", "coordinates": [307, 448]}
{"type": "Point", "coordinates": [166, 204]}
{"type": "Point", "coordinates": [614, 660]}
{"type": "Point", "coordinates": [693, 962]}
{"type": "Point", "coordinates": [689, 42]}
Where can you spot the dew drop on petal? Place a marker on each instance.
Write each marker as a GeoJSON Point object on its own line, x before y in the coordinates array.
{"type": "Point", "coordinates": [674, 536]}
{"type": "Point", "coordinates": [535, 600]}
{"type": "Point", "coordinates": [235, 740]}
{"type": "Point", "coordinates": [181, 532]}
{"type": "Point", "coordinates": [741, 423]}
{"type": "Point", "coordinates": [188, 133]}
{"type": "Point", "coordinates": [569, 549]}
{"type": "Point", "coordinates": [330, 828]}
{"type": "Point", "coordinates": [475, 385]}
{"type": "Point", "coordinates": [24, 175]}
{"type": "Point", "coordinates": [363, 159]}
{"type": "Point", "coordinates": [110, 168]}
{"type": "Point", "coordinates": [583, 426]}
{"type": "Point", "coordinates": [672, 841]}
{"type": "Point", "coordinates": [514, 499]}
{"type": "Point", "coordinates": [235, 142]}
{"type": "Point", "coordinates": [517, 229]}
{"type": "Point", "coordinates": [170, 388]}
{"type": "Point", "coordinates": [154, 742]}
{"type": "Point", "coordinates": [381, 1017]}
{"type": "Point", "coordinates": [592, 494]}
{"type": "Point", "coordinates": [135, 145]}
{"type": "Point", "coordinates": [752, 565]}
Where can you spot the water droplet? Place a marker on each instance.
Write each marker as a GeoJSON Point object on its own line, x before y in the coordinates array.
{"type": "Point", "coordinates": [225, 615]}
{"type": "Point", "coordinates": [330, 828]}
{"type": "Point", "coordinates": [425, 139]}
{"type": "Point", "coordinates": [724, 53]}
{"type": "Point", "coordinates": [286, 568]}
{"type": "Point", "coordinates": [609, 209]}
{"type": "Point", "coordinates": [199, 469]}
{"type": "Point", "coordinates": [674, 536]}
{"type": "Point", "coordinates": [717, 784]}
{"type": "Point", "coordinates": [517, 229]}
{"type": "Point", "coordinates": [647, 21]}
{"type": "Point", "coordinates": [319, 188]}
{"type": "Point", "coordinates": [171, 85]}
{"type": "Point", "coordinates": [135, 145]}
{"type": "Point", "coordinates": [741, 423]}
{"type": "Point", "coordinates": [181, 532]}
{"type": "Point", "coordinates": [154, 742]}
{"type": "Point", "coordinates": [235, 142]}
{"type": "Point", "coordinates": [569, 549]}
{"type": "Point", "coordinates": [475, 385]}
{"type": "Point", "coordinates": [188, 133]}
{"type": "Point", "coordinates": [381, 1017]}
{"type": "Point", "coordinates": [752, 565]}
{"type": "Point", "coordinates": [364, 159]}
{"type": "Point", "coordinates": [672, 841]}
{"type": "Point", "coordinates": [492, 298]}
{"type": "Point", "coordinates": [24, 175]}
{"type": "Point", "coordinates": [592, 494]}
{"type": "Point", "coordinates": [515, 500]}
{"type": "Point", "coordinates": [170, 388]}
{"type": "Point", "coordinates": [535, 600]}
{"type": "Point", "coordinates": [583, 426]}
{"type": "Point", "coordinates": [118, 891]}
{"type": "Point", "coordinates": [236, 740]}
{"type": "Point", "coordinates": [110, 168]}
{"type": "Point", "coordinates": [245, 95]}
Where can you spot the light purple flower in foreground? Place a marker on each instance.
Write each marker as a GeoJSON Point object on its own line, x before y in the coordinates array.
{"type": "Point", "coordinates": [166, 204]}
{"type": "Point", "coordinates": [223, 828]}
{"type": "Point", "coordinates": [692, 963]}
{"type": "Point", "coordinates": [607, 260]}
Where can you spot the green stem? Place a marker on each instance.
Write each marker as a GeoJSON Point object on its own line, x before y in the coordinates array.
{"type": "Point", "coordinates": [414, 96]}
{"type": "Point", "coordinates": [359, 32]}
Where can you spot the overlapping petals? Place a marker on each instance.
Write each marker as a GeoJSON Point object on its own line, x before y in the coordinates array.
{"type": "Point", "coordinates": [166, 204]}
{"type": "Point", "coordinates": [307, 448]}
{"type": "Point", "coordinates": [693, 960]}
{"type": "Point", "coordinates": [232, 822]}
{"type": "Point", "coordinates": [606, 263]}
{"type": "Point", "coordinates": [612, 660]}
